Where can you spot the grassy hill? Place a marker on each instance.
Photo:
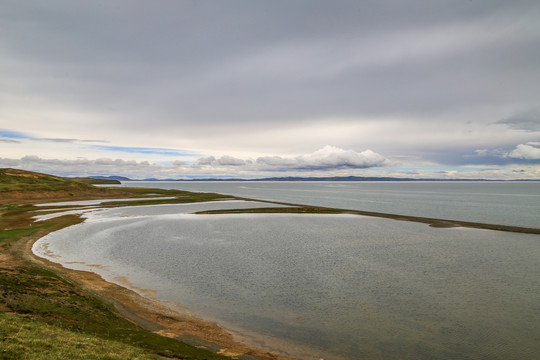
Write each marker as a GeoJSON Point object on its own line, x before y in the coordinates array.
{"type": "Point", "coordinates": [27, 339]}
{"type": "Point", "coordinates": [26, 185]}
{"type": "Point", "coordinates": [21, 180]}
{"type": "Point", "coordinates": [43, 313]}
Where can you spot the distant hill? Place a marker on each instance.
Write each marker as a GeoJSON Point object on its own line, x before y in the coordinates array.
{"type": "Point", "coordinates": [330, 178]}
{"type": "Point", "coordinates": [336, 178]}
{"type": "Point", "coordinates": [117, 178]}
{"type": "Point", "coordinates": [18, 184]}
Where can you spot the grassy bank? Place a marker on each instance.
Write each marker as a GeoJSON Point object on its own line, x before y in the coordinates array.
{"type": "Point", "coordinates": [46, 315]}
{"type": "Point", "coordinates": [23, 338]}
{"type": "Point", "coordinates": [38, 301]}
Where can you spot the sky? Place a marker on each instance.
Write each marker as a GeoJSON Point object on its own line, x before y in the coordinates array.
{"type": "Point", "coordinates": [249, 88]}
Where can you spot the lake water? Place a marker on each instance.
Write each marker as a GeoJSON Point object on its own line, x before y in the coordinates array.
{"type": "Point", "coordinates": [507, 203]}
{"type": "Point", "coordinates": [324, 286]}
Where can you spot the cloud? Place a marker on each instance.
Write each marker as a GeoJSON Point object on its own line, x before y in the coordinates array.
{"type": "Point", "coordinates": [182, 170]}
{"type": "Point", "coordinates": [525, 120]}
{"type": "Point", "coordinates": [529, 151]}
{"type": "Point", "coordinates": [82, 166]}
{"type": "Point", "coordinates": [493, 153]}
{"type": "Point", "coordinates": [415, 79]}
{"type": "Point", "coordinates": [327, 158]}
{"type": "Point", "coordinates": [207, 160]}
{"type": "Point", "coordinates": [225, 160]}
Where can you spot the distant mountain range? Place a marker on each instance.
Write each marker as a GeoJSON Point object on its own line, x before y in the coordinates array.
{"type": "Point", "coordinates": [119, 178]}
{"type": "Point", "coordinates": [296, 178]}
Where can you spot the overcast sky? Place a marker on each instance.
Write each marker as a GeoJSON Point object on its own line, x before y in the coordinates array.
{"type": "Point", "coordinates": [247, 88]}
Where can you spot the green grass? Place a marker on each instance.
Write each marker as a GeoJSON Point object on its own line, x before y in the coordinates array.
{"type": "Point", "coordinates": [22, 338]}
{"type": "Point", "coordinates": [17, 224]}
{"type": "Point", "coordinates": [182, 199]}
{"type": "Point", "coordinates": [44, 302]}
{"type": "Point", "coordinates": [147, 191]}
{"type": "Point", "coordinates": [47, 298]}
{"type": "Point", "coordinates": [50, 317]}
{"type": "Point", "coordinates": [18, 180]}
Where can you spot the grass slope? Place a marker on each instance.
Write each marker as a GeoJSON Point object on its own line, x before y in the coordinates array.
{"type": "Point", "coordinates": [22, 338]}
{"type": "Point", "coordinates": [46, 316]}
{"type": "Point", "coordinates": [20, 180]}
{"type": "Point", "coordinates": [26, 185]}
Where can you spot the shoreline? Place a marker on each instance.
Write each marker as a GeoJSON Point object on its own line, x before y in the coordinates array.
{"type": "Point", "coordinates": [85, 300]}
{"type": "Point", "coordinates": [160, 317]}
{"type": "Point", "coordinates": [153, 314]}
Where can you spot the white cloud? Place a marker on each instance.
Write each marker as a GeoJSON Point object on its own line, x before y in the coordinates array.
{"type": "Point", "coordinates": [275, 166]}
{"type": "Point", "coordinates": [318, 163]}
{"type": "Point", "coordinates": [83, 166]}
{"type": "Point", "coordinates": [491, 152]}
{"type": "Point", "coordinates": [329, 157]}
{"type": "Point", "coordinates": [528, 151]}
{"type": "Point", "coordinates": [225, 160]}
{"type": "Point", "coordinates": [207, 160]}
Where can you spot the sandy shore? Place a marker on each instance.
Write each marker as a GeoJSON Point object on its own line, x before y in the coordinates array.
{"type": "Point", "coordinates": [154, 315]}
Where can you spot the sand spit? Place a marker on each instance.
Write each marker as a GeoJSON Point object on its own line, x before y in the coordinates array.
{"type": "Point", "coordinates": [433, 222]}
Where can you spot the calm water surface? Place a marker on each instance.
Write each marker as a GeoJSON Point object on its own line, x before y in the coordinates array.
{"type": "Point", "coordinates": [325, 286]}
{"type": "Point", "coordinates": [508, 203]}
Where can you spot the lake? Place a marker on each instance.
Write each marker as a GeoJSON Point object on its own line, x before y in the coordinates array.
{"type": "Point", "coordinates": [515, 203]}
{"type": "Point", "coordinates": [326, 286]}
